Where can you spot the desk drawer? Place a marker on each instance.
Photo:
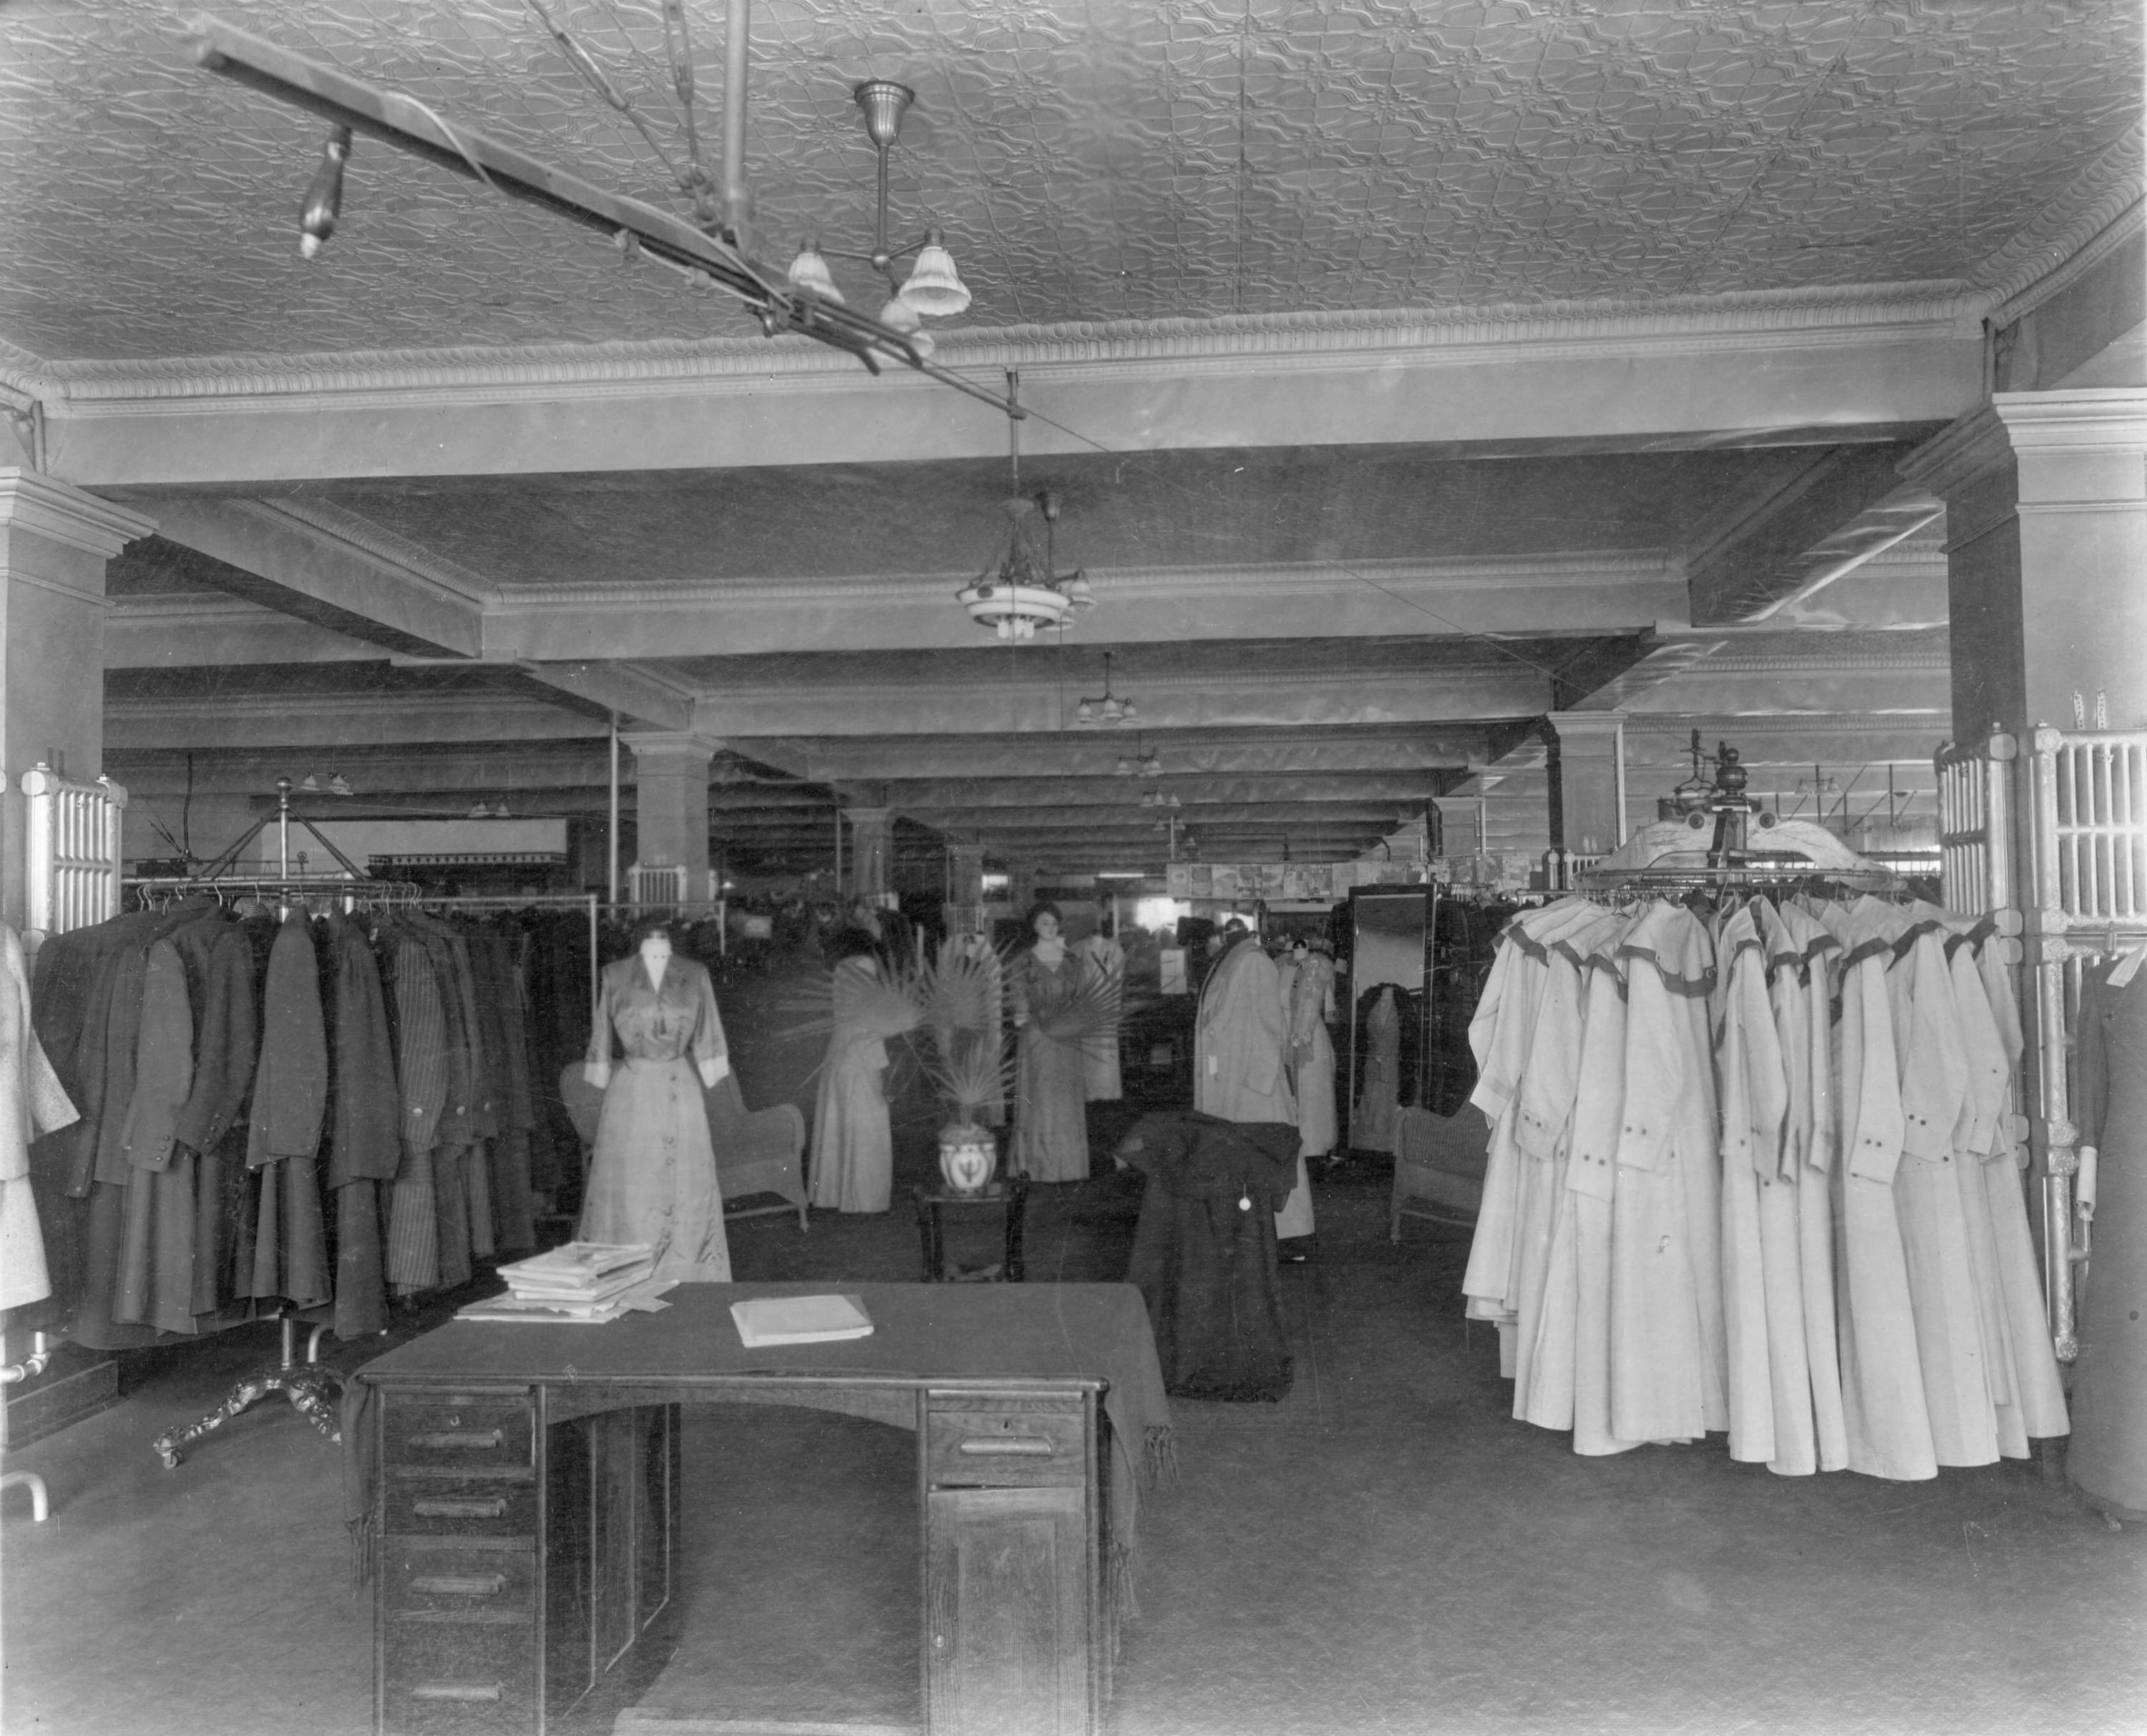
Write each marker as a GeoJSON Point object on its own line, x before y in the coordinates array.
{"type": "Point", "coordinates": [458, 1576]}
{"type": "Point", "coordinates": [460, 1506]}
{"type": "Point", "coordinates": [481, 1431]}
{"type": "Point", "coordinates": [458, 1678]}
{"type": "Point", "coordinates": [1016, 1446]}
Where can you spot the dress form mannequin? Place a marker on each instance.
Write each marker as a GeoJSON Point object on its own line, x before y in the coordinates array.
{"type": "Point", "coordinates": [1051, 1127]}
{"type": "Point", "coordinates": [653, 1176]}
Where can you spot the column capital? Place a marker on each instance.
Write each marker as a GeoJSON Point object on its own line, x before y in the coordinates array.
{"type": "Point", "coordinates": [31, 500]}
{"type": "Point", "coordinates": [685, 745]}
{"type": "Point", "coordinates": [2091, 422]}
{"type": "Point", "coordinates": [1579, 728]}
{"type": "Point", "coordinates": [868, 816]}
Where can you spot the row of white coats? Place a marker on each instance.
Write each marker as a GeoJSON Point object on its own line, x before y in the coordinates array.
{"type": "Point", "coordinates": [1715, 1203]}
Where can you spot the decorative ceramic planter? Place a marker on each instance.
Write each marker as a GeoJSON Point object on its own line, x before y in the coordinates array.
{"type": "Point", "coordinates": [968, 1156]}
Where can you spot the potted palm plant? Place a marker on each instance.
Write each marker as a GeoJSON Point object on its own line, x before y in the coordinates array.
{"type": "Point", "coordinates": [964, 1060]}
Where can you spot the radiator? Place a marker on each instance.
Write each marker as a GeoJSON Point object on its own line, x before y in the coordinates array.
{"type": "Point", "coordinates": [73, 879]}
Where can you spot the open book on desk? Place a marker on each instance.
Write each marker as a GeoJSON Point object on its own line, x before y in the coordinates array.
{"type": "Point", "coordinates": [800, 1319]}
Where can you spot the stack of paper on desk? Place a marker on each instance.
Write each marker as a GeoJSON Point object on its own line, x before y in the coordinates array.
{"type": "Point", "coordinates": [800, 1319]}
{"type": "Point", "coordinates": [590, 1282]}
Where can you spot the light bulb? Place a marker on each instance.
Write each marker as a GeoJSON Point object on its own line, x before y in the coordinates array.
{"type": "Point", "coordinates": [934, 287]}
{"type": "Point", "coordinates": [809, 271]}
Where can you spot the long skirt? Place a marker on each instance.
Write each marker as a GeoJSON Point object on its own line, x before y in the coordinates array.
{"type": "Point", "coordinates": [1051, 1115]}
{"type": "Point", "coordinates": [652, 1176]}
{"type": "Point", "coordinates": [852, 1143]}
{"type": "Point", "coordinates": [1314, 1080]}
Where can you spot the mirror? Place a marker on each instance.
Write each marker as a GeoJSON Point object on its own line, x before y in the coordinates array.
{"type": "Point", "coordinates": [1390, 930]}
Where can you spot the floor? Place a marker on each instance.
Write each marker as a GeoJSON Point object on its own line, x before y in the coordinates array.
{"type": "Point", "coordinates": [1386, 1550]}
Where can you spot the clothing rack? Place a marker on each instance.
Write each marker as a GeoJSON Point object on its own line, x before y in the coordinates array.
{"type": "Point", "coordinates": [587, 901]}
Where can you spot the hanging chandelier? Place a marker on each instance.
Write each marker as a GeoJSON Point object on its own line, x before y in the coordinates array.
{"type": "Point", "coordinates": [1139, 763]}
{"type": "Point", "coordinates": [933, 288]}
{"type": "Point", "coordinates": [1108, 711]}
{"type": "Point", "coordinates": [1021, 588]}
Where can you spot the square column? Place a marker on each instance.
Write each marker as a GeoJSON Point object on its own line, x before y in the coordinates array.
{"type": "Point", "coordinates": [671, 801]}
{"type": "Point", "coordinates": [965, 889]}
{"type": "Point", "coordinates": [2046, 548]}
{"type": "Point", "coordinates": [868, 863]}
{"type": "Point", "coordinates": [1588, 781]}
{"type": "Point", "coordinates": [54, 541]}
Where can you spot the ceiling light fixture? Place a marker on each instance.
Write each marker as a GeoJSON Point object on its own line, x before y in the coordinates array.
{"type": "Point", "coordinates": [1108, 711]}
{"type": "Point", "coordinates": [1020, 589]}
{"type": "Point", "coordinates": [933, 288]}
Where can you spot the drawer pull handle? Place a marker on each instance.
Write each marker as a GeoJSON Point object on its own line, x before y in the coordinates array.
{"type": "Point", "coordinates": [462, 1585]}
{"type": "Point", "coordinates": [458, 1691]}
{"type": "Point", "coordinates": [467, 1437]}
{"type": "Point", "coordinates": [462, 1506]}
{"type": "Point", "coordinates": [1017, 1446]}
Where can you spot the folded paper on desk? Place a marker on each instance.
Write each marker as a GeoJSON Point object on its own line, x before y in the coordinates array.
{"type": "Point", "coordinates": [800, 1319]}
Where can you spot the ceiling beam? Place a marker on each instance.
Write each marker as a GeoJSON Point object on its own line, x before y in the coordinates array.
{"type": "Point", "coordinates": [989, 706]}
{"type": "Point", "coordinates": [330, 721]}
{"type": "Point", "coordinates": [1756, 564]}
{"type": "Point", "coordinates": [1308, 748]}
{"type": "Point", "coordinates": [327, 576]}
{"type": "Point", "coordinates": [1610, 592]}
{"type": "Point", "coordinates": [1646, 377]}
{"type": "Point", "coordinates": [197, 632]}
{"type": "Point", "coordinates": [640, 698]}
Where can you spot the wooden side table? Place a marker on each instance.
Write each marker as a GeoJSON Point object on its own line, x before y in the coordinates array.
{"type": "Point", "coordinates": [1010, 1197]}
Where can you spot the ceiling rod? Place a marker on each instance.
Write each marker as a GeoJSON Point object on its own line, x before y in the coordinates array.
{"type": "Point", "coordinates": [634, 226]}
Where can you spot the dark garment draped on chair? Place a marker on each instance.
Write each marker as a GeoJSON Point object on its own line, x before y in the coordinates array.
{"type": "Point", "coordinates": [1204, 1250]}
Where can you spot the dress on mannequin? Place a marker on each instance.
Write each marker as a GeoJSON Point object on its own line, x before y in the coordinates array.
{"type": "Point", "coordinates": [1051, 1120]}
{"type": "Point", "coordinates": [852, 1167]}
{"type": "Point", "coordinates": [652, 1176]}
{"type": "Point", "coordinates": [1240, 1044]}
{"type": "Point", "coordinates": [1378, 1086]}
{"type": "Point", "coordinates": [1309, 1002]}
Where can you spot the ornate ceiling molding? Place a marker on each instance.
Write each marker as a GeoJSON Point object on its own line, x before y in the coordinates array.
{"type": "Point", "coordinates": [1762, 319]}
{"type": "Point", "coordinates": [2097, 214]}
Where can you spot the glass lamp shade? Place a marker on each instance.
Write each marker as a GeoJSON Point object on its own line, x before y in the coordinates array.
{"type": "Point", "coordinates": [933, 286]}
{"type": "Point", "coordinates": [898, 316]}
{"type": "Point", "coordinates": [1077, 592]}
{"type": "Point", "coordinates": [809, 271]}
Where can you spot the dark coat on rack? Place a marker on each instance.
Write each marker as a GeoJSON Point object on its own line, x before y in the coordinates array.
{"type": "Point", "coordinates": [419, 1023]}
{"type": "Point", "coordinates": [219, 963]}
{"type": "Point", "coordinates": [156, 1276]}
{"type": "Point", "coordinates": [290, 1258]}
{"type": "Point", "coordinates": [364, 1146]}
{"type": "Point", "coordinates": [1204, 1255]}
{"type": "Point", "coordinates": [87, 1006]}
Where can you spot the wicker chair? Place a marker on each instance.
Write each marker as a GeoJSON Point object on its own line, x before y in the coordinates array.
{"type": "Point", "coordinates": [758, 1151]}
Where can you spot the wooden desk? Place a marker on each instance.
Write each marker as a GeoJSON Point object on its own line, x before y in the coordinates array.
{"type": "Point", "coordinates": [525, 1490]}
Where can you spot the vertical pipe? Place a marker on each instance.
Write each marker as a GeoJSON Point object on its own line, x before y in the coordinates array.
{"type": "Point", "coordinates": [738, 202]}
{"type": "Point", "coordinates": [611, 836]}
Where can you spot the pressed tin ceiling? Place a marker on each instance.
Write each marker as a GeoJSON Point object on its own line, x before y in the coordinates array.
{"type": "Point", "coordinates": [1091, 161]}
